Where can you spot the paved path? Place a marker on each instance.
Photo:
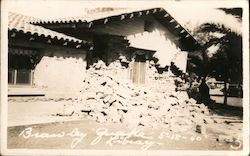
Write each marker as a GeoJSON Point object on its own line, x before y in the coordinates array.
{"type": "Point", "coordinates": [232, 101]}
{"type": "Point", "coordinates": [24, 113]}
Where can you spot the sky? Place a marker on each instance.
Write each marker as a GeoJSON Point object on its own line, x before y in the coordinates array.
{"type": "Point", "coordinates": [188, 13]}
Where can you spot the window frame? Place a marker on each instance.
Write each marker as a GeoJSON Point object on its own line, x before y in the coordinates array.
{"type": "Point", "coordinates": [14, 78]}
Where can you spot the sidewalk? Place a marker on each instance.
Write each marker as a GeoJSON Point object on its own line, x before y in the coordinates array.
{"type": "Point", "coordinates": [231, 101]}
{"type": "Point", "coordinates": [35, 112]}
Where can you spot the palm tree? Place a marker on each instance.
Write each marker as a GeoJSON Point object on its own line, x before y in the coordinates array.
{"type": "Point", "coordinates": [224, 63]}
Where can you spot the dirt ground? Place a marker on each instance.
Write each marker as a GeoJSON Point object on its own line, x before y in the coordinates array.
{"type": "Point", "coordinates": [161, 139]}
{"type": "Point", "coordinates": [42, 130]}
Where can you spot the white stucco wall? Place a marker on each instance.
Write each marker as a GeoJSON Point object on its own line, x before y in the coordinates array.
{"type": "Point", "coordinates": [156, 40]}
{"type": "Point", "coordinates": [60, 70]}
{"type": "Point", "coordinates": [180, 60]}
{"type": "Point", "coordinates": [160, 39]}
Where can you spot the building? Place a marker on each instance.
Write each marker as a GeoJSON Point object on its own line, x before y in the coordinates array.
{"type": "Point", "coordinates": [139, 35]}
{"type": "Point", "coordinates": [135, 38]}
{"type": "Point", "coordinates": [39, 57]}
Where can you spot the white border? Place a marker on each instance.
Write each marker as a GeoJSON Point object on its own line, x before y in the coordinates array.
{"type": "Point", "coordinates": [4, 82]}
{"type": "Point", "coordinates": [226, 3]}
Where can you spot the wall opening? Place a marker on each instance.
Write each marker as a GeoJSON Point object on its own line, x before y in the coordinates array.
{"type": "Point", "coordinates": [21, 63]}
{"type": "Point", "coordinates": [139, 69]}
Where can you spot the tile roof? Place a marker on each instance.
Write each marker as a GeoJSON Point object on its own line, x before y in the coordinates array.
{"type": "Point", "coordinates": [120, 14]}
{"type": "Point", "coordinates": [91, 16]}
{"type": "Point", "coordinates": [20, 23]}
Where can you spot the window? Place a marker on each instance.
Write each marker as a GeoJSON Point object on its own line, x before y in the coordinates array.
{"type": "Point", "coordinates": [20, 66]}
{"type": "Point", "coordinates": [20, 76]}
{"type": "Point", "coordinates": [11, 76]}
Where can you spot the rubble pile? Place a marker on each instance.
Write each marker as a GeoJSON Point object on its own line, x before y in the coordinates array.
{"type": "Point", "coordinates": [106, 99]}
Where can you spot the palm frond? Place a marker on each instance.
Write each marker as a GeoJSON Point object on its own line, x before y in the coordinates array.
{"type": "Point", "coordinates": [213, 27]}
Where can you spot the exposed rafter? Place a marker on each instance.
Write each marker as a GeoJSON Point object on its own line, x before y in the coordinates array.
{"type": "Point", "coordinates": [32, 38]}
{"type": "Point", "coordinates": [166, 15]}
{"type": "Point", "coordinates": [13, 34]}
{"type": "Point", "coordinates": [122, 17]}
{"type": "Point", "coordinates": [131, 15]}
{"type": "Point", "coordinates": [78, 46]}
{"type": "Point", "coordinates": [90, 24]}
{"type": "Point", "coordinates": [140, 13]}
{"type": "Point", "coordinates": [105, 20]}
{"type": "Point", "coordinates": [172, 21]}
{"type": "Point", "coordinates": [177, 26]}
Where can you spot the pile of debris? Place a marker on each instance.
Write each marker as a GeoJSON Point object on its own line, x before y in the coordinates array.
{"type": "Point", "coordinates": [106, 99]}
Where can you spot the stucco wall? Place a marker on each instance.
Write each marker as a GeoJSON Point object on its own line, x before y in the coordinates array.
{"type": "Point", "coordinates": [180, 60]}
{"type": "Point", "coordinates": [61, 70]}
{"type": "Point", "coordinates": [160, 39]}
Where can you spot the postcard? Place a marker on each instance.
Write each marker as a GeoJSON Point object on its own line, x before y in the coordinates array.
{"type": "Point", "coordinates": [124, 77]}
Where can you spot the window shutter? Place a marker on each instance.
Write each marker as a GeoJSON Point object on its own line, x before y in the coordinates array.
{"type": "Point", "coordinates": [139, 73]}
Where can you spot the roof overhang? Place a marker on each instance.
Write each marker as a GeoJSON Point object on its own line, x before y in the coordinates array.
{"type": "Point", "coordinates": [140, 49]}
{"type": "Point", "coordinates": [187, 40]}
{"type": "Point", "coordinates": [14, 34]}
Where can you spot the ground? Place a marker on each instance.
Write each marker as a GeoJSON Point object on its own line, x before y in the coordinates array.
{"type": "Point", "coordinates": [109, 113]}
{"type": "Point", "coordinates": [79, 132]}
{"type": "Point", "coordinates": [232, 101]}
{"type": "Point", "coordinates": [160, 139]}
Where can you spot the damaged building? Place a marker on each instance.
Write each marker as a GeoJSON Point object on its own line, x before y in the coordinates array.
{"type": "Point", "coordinates": [111, 66]}
{"type": "Point", "coordinates": [39, 57]}
{"type": "Point", "coordinates": [55, 54]}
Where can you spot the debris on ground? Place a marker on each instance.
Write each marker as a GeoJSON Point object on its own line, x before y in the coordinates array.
{"type": "Point", "coordinates": [105, 98]}
{"type": "Point", "coordinates": [108, 96]}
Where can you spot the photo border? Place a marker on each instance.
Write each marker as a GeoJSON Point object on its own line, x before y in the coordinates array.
{"type": "Point", "coordinates": [4, 88]}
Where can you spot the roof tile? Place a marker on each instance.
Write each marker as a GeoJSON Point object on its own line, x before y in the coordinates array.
{"type": "Point", "coordinates": [21, 23]}
{"type": "Point", "coordinates": [88, 17]}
